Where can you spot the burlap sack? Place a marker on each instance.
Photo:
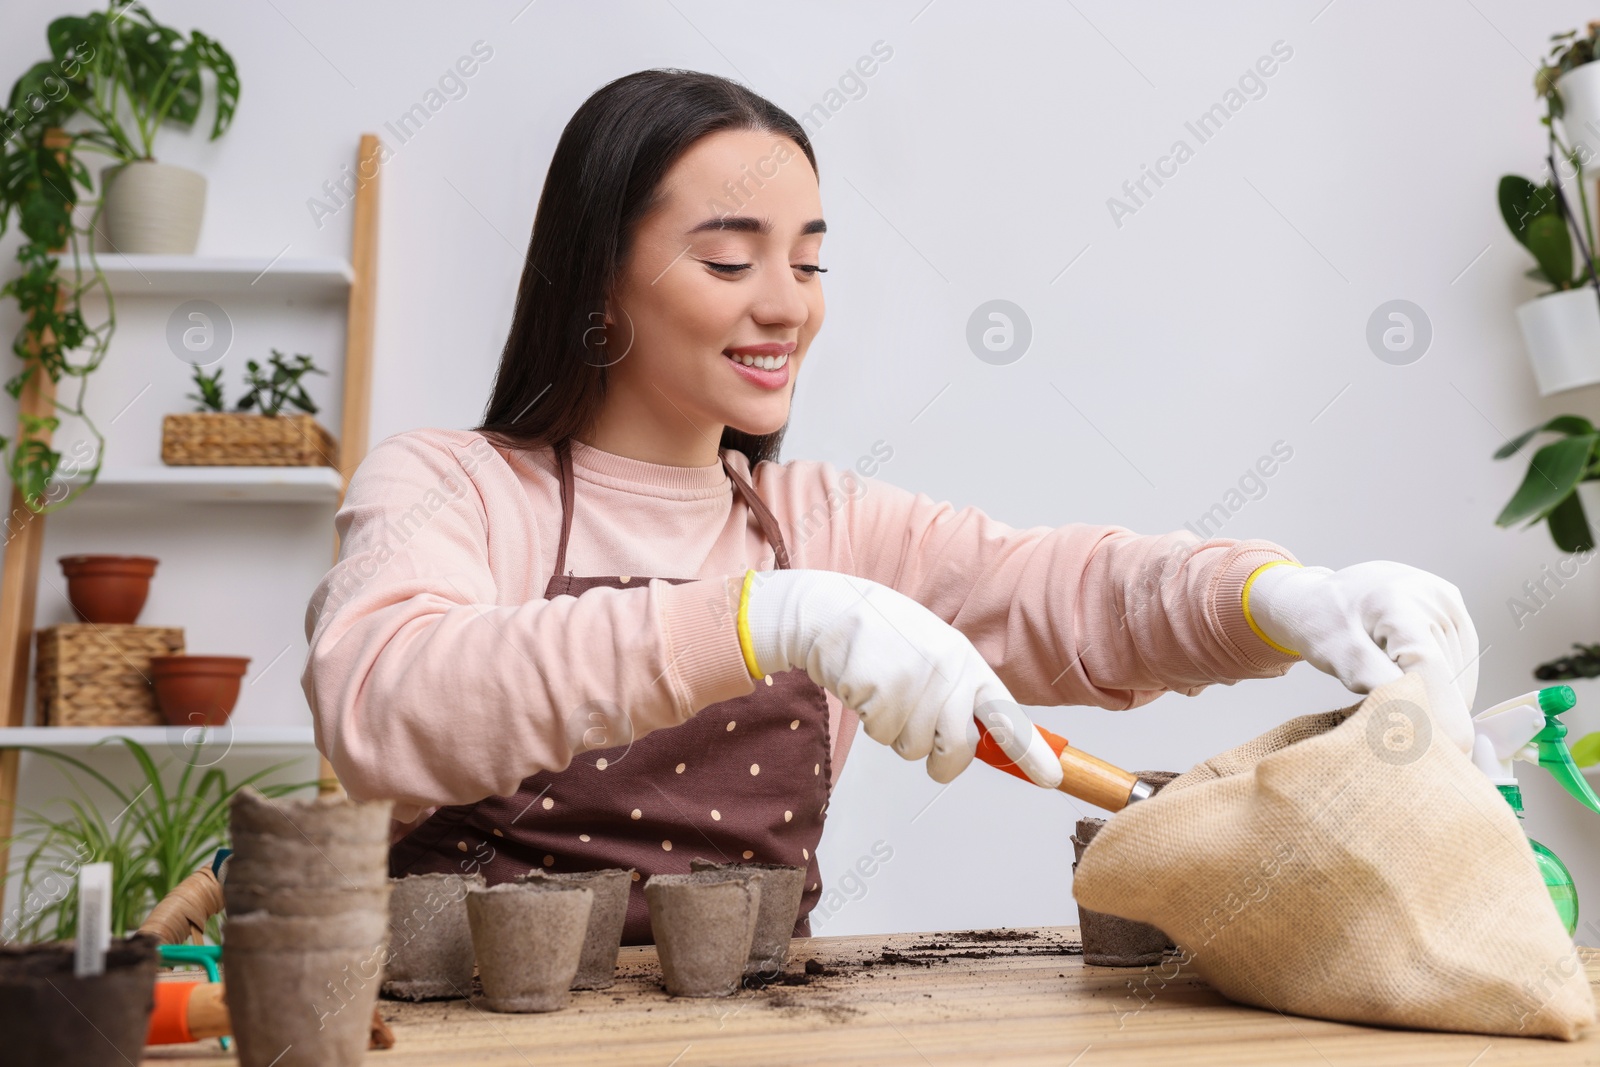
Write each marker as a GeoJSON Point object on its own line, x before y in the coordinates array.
{"type": "Point", "coordinates": [1351, 865]}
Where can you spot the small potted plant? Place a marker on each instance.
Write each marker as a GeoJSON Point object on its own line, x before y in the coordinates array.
{"type": "Point", "coordinates": [197, 690]}
{"type": "Point", "coordinates": [1569, 82]}
{"type": "Point", "coordinates": [128, 75]}
{"type": "Point", "coordinates": [115, 78]}
{"type": "Point", "coordinates": [1562, 326]}
{"type": "Point", "coordinates": [255, 432]}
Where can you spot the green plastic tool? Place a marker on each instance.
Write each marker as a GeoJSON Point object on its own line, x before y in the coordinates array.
{"type": "Point", "coordinates": [1529, 728]}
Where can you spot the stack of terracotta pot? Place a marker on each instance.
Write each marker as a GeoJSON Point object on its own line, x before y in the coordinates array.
{"type": "Point", "coordinates": [307, 895]}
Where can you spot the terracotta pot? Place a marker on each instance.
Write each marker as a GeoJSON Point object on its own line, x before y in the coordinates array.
{"type": "Point", "coordinates": [49, 1016]}
{"type": "Point", "coordinates": [197, 690]}
{"type": "Point", "coordinates": [108, 590]}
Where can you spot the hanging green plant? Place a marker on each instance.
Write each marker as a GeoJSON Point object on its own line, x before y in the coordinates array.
{"type": "Point", "coordinates": [116, 77]}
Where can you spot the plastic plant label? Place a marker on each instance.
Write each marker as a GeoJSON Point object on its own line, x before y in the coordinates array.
{"type": "Point", "coordinates": [94, 920]}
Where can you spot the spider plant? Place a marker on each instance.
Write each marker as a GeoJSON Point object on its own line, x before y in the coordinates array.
{"type": "Point", "coordinates": [157, 837]}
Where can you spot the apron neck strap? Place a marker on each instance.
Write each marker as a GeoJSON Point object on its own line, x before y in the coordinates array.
{"type": "Point", "coordinates": [763, 514]}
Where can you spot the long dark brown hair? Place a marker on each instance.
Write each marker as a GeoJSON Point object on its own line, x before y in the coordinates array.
{"type": "Point", "coordinates": [604, 178]}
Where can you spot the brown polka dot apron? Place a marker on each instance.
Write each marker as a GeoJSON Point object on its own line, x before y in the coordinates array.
{"type": "Point", "coordinates": [743, 779]}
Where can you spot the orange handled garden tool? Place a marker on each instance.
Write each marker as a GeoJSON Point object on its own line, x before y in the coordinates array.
{"type": "Point", "coordinates": [1082, 775]}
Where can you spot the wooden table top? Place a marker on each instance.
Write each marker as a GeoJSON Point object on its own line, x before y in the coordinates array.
{"type": "Point", "coordinates": [1007, 996]}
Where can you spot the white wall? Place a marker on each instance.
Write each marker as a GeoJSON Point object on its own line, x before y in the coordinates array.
{"type": "Point", "coordinates": [1223, 316]}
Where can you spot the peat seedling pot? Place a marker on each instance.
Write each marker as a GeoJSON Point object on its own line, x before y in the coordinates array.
{"type": "Point", "coordinates": [300, 988]}
{"type": "Point", "coordinates": [303, 844]}
{"type": "Point", "coordinates": [323, 819]}
{"type": "Point", "coordinates": [781, 889]}
{"type": "Point", "coordinates": [430, 939]}
{"type": "Point", "coordinates": [597, 966]}
{"type": "Point", "coordinates": [1110, 940]}
{"type": "Point", "coordinates": [240, 896]}
{"type": "Point", "coordinates": [703, 923]}
{"type": "Point", "coordinates": [528, 938]}
{"type": "Point", "coordinates": [267, 861]}
{"type": "Point", "coordinates": [197, 690]}
{"type": "Point", "coordinates": [108, 590]}
{"type": "Point", "coordinates": [48, 1016]}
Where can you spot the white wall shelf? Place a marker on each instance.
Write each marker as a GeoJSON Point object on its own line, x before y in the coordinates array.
{"type": "Point", "coordinates": [178, 737]}
{"type": "Point", "coordinates": [155, 499]}
{"type": "Point", "coordinates": [323, 278]}
{"type": "Point", "coordinates": [160, 484]}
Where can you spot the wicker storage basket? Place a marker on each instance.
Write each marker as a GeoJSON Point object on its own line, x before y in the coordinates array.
{"type": "Point", "coordinates": [95, 675]}
{"type": "Point", "coordinates": [227, 439]}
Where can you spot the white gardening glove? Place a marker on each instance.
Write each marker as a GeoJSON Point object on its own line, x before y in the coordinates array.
{"type": "Point", "coordinates": [1369, 623]}
{"type": "Point", "coordinates": [915, 680]}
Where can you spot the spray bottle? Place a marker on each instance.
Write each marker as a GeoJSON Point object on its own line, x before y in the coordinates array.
{"type": "Point", "coordinates": [1529, 728]}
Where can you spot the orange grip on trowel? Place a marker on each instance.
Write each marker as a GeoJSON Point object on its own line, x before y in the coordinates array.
{"type": "Point", "coordinates": [187, 1011]}
{"type": "Point", "coordinates": [1083, 776]}
{"type": "Point", "coordinates": [990, 752]}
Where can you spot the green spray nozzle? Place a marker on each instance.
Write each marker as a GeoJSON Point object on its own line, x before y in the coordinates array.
{"type": "Point", "coordinates": [1554, 755]}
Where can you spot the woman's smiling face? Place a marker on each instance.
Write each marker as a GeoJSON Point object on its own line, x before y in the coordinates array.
{"type": "Point", "coordinates": [727, 261]}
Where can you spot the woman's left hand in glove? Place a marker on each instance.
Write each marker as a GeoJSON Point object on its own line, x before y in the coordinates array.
{"type": "Point", "coordinates": [1368, 624]}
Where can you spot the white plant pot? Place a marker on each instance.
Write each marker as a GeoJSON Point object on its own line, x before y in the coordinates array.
{"type": "Point", "coordinates": [1580, 98]}
{"type": "Point", "coordinates": [152, 207]}
{"type": "Point", "coordinates": [1562, 332]}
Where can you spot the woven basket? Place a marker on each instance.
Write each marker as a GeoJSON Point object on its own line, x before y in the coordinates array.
{"type": "Point", "coordinates": [243, 439]}
{"type": "Point", "coordinates": [96, 675]}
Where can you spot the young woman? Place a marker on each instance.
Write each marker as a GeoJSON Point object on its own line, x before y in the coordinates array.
{"type": "Point", "coordinates": [608, 627]}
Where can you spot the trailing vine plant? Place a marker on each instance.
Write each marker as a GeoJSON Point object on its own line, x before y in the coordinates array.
{"type": "Point", "coordinates": [124, 75]}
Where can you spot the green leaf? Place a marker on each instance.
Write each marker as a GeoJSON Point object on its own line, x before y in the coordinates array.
{"type": "Point", "coordinates": [1567, 424]}
{"type": "Point", "coordinates": [213, 56]}
{"type": "Point", "coordinates": [1552, 475]}
{"type": "Point", "coordinates": [1586, 750]}
{"type": "Point", "coordinates": [1550, 242]}
{"type": "Point", "coordinates": [1521, 202]}
{"type": "Point", "coordinates": [1569, 526]}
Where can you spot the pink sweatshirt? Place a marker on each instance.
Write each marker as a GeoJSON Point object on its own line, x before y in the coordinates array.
{"type": "Point", "coordinates": [439, 674]}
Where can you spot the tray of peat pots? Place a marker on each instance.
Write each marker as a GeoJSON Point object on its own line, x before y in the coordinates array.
{"type": "Point", "coordinates": [50, 1016]}
{"type": "Point", "coordinates": [597, 966]}
{"type": "Point", "coordinates": [108, 590]}
{"type": "Point", "coordinates": [704, 924]}
{"type": "Point", "coordinates": [528, 939]}
{"type": "Point", "coordinates": [307, 896]}
{"type": "Point", "coordinates": [197, 690]}
{"type": "Point", "coordinates": [781, 889]}
{"type": "Point", "coordinates": [430, 942]}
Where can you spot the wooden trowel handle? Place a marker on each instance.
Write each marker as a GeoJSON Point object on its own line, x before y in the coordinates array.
{"type": "Point", "coordinates": [1084, 776]}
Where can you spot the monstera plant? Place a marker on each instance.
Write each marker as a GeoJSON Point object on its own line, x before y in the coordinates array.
{"type": "Point", "coordinates": [114, 78]}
